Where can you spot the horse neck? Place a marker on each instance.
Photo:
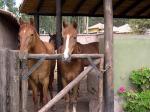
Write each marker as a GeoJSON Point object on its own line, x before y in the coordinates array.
{"type": "Point", "coordinates": [52, 42]}
{"type": "Point", "coordinates": [39, 46]}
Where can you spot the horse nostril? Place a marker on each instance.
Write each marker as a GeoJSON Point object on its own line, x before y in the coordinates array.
{"type": "Point", "coordinates": [66, 58]}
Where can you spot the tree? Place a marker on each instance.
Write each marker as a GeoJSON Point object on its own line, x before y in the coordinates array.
{"type": "Point", "coordinates": [1, 4]}
{"type": "Point", "coordinates": [139, 25]}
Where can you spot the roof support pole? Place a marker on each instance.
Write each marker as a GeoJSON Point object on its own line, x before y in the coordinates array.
{"type": "Point", "coordinates": [58, 38]}
{"type": "Point", "coordinates": [36, 19]}
{"type": "Point", "coordinates": [108, 40]}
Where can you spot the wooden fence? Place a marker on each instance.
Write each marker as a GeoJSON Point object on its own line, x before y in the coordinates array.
{"type": "Point", "coordinates": [13, 90]}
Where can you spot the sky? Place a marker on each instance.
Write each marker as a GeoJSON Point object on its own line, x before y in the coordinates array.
{"type": "Point", "coordinates": [18, 2]}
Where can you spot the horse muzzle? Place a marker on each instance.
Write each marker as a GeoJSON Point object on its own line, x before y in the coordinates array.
{"type": "Point", "coordinates": [66, 58]}
{"type": "Point", "coordinates": [23, 55]}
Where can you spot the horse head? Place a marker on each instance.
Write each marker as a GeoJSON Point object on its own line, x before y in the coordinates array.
{"type": "Point", "coordinates": [69, 36]}
{"type": "Point", "coordinates": [27, 35]}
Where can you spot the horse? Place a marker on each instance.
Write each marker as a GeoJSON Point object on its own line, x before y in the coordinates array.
{"type": "Point", "coordinates": [31, 43]}
{"type": "Point", "coordinates": [90, 48]}
{"type": "Point", "coordinates": [70, 68]}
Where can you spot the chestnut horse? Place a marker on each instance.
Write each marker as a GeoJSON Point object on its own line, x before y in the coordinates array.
{"type": "Point", "coordinates": [31, 43]}
{"type": "Point", "coordinates": [70, 68]}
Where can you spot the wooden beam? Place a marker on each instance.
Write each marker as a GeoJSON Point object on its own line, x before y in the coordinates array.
{"type": "Point", "coordinates": [117, 4]}
{"type": "Point", "coordinates": [40, 3]}
{"type": "Point", "coordinates": [58, 37]}
{"type": "Point", "coordinates": [108, 59]}
{"type": "Point", "coordinates": [58, 22]}
{"type": "Point", "coordinates": [63, 2]}
{"type": "Point", "coordinates": [92, 15]}
{"type": "Point", "coordinates": [59, 56]}
{"type": "Point", "coordinates": [144, 9]}
{"type": "Point", "coordinates": [95, 8]}
{"type": "Point", "coordinates": [132, 6]}
{"type": "Point", "coordinates": [62, 93]}
{"type": "Point", "coordinates": [77, 8]}
{"type": "Point", "coordinates": [36, 19]}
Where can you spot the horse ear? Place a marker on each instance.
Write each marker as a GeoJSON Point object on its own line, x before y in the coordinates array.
{"type": "Point", "coordinates": [21, 21]}
{"type": "Point", "coordinates": [74, 24]}
{"type": "Point", "coordinates": [64, 24]}
{"type": "Point", "coordinates": [32, 21]}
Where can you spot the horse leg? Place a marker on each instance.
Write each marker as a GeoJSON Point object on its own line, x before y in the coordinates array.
{"type": "Point", "coordinates": [41, 93]}
{"type": "Point", "coordinates": [45, 89]}
{"type": "Point", "coordinates": [35, 94]}
{"type": "Point", "coordinates": [51, 79]}
{"type": "Point", "coordinates": [67, 97]}
{"type": "Point", "coordinates": [74, 99]}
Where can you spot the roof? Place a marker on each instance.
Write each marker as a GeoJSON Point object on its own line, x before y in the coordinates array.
{"type": "Point", "coordinates": [121, 8]}
{"type": "Point", "coordinates": [121, 29]}
{"type": "Point", "coordinates": [99, 26]}
{"type": "Point", "coordinates": [124, 29]}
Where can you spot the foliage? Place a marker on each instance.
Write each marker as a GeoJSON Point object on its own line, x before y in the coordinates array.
{"type": "Point", "coordinates": [118, 22]}
{"type": "Point", "coordinates": [137, 102]}
{"type": "Point", "coordinates": [47, 24]}
{"type": "Point", "coordinates": [139, 99]}
{"type": "Point", "coordinates": [1, 4]}
{"type": "Point", "coordinates": [141, 78]}
{"type": "Point", "coordinates": [139, 25]}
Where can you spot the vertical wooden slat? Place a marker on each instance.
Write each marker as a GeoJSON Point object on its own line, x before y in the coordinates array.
{"type": "Point", "coordinates": [101, 102]}
{"type": "Point", "coordinates": [58, 39]}
{"type": "Point", "coordinates": [108, 38]}
{"type": "Point", "coordinates": [93, 92]}
{"type": "Point", "coordinates": [36, 18]}
{"type": "Point", "coordinates": [14, 87]}
{"type": "Point", "coordinates": [24, 87]}
{"type": "Point", "coordinates": [3, 80]}
{"type": "Point", "coordinates": [58, 22]}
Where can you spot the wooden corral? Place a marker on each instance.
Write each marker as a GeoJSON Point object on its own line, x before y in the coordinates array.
{"type": "Point", "coordinates": [9, 29]}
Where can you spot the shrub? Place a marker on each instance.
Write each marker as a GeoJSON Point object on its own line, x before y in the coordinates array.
{"type": "Point", "coordinates": [137, 102]}
{"type": "Point", "coordinates": [141, 79]}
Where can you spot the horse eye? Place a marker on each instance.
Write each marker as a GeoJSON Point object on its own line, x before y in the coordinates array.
{"type": "Point", "coordinates": [31, 34]}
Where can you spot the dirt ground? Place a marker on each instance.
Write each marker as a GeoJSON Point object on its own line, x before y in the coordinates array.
{"type": "Point", "coordinates": [82, 105]}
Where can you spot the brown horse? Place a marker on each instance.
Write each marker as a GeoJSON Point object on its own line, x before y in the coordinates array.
{"type": "Point", "coordinates": [70, 68]}
{"type": "Point", "coordinates": [90, 48]}
{"type": "Point", "coordinates": [31, 43]}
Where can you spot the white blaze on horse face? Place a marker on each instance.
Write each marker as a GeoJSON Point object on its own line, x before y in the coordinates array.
{"type": "Point", "coordinates": [66, 51]}
{"type": "Point", "coordinates": [74, 108]}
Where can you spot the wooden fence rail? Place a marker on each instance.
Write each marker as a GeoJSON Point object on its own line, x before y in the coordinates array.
{"type": "Point", "coordinates": [62, 93]}
{"type": "Point", "coordinates": [13, 94]}
{"type": "Point", "coordinates": [59, 56]}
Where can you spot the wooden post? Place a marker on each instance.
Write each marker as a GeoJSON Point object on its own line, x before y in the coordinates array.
{"type": "Point", "coordinates": [3, 80]}
{"type": "Point", "coordinates": [14, 81]}
{"type": "Point", "coordinates": [100, 95]}
{"type": "Point", "coordinates": [58, 39]}
{"type": "Point", "coordinates": [36, 19]}
{"type": "Point", "coordinates": [95, 89]}
{"type": "Point", "coordinates": [108, 38]}
{"type": "Point", "coordinates": [24, 87]}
